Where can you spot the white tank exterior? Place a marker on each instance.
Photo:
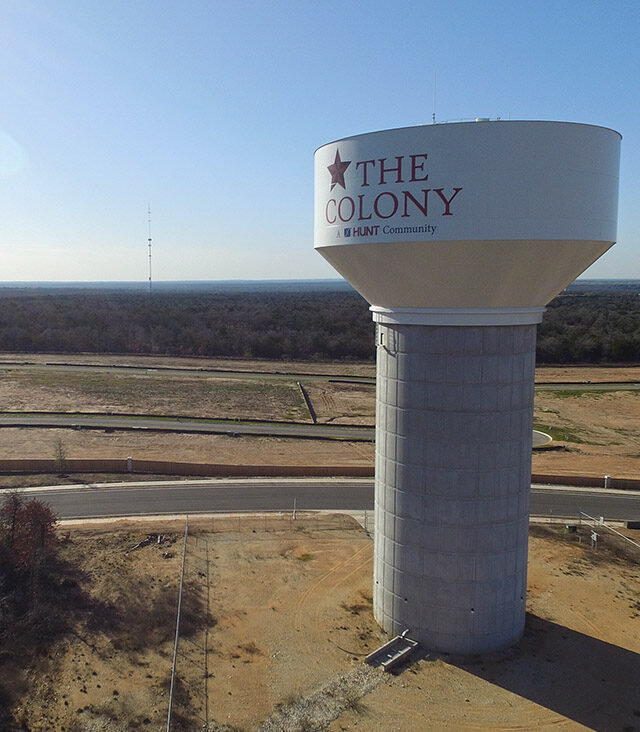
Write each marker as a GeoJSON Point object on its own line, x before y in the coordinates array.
{"type": "Point", "coordinates": [459, 235]}
{"type": "Point", "coordinates": [468, 215]}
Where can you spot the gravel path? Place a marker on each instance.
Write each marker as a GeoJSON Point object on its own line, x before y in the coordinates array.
{"type": "Point", "coordinates": [316, 711]}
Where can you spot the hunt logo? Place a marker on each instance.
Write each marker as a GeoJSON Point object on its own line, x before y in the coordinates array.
{"type": "Point", "coordinates": [375, 204]}
{"type": "Point", "coordinates": [360, 231]}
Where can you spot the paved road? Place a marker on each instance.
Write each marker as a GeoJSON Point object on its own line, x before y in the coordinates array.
{"type": "Point", "coordinates": [588, 386]}
{"type": "Point", "coordinates": [278, 494]}
{"type": "Point", "coordinates": [201, 426]}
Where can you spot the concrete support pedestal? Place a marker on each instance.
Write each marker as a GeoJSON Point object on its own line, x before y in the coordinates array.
{"type": "Point", "coordinates": [454, 413]}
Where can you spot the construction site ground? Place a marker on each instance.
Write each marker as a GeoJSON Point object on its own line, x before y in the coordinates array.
{"type": "Point", "coordinates": [276, 622]}
{"type": "Point", "coordinates": [277, 614]}
{"type": "Point", "coordinates": [595, 432]}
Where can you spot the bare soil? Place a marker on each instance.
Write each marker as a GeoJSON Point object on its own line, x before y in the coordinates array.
{"type": "Point", "coordinates": [599, 433]}
{"type": "Point", "coordinates": [219, 449]}
{"type": "Point", "coordinates": [276, 621]}
{"type": "Point", "coordinates": [343, 403]}
{"type": "Point", "coordinates": [277, 613]}
{"type": "Point", "coordinates": [226, 364]}
{"type": "Point", "coordinates": [595, 433]}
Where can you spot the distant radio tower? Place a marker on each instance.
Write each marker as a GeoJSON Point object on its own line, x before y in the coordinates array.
{"type": "Point", "coordinates": [149, 240]}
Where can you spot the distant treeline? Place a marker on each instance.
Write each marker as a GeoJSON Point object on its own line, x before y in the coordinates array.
{"type": "Point", "coordinates": [594, 327]}
{"type": "Point", "coordinates": [589, 327]}
{"type": "Point", "coordinates": [310, 325]}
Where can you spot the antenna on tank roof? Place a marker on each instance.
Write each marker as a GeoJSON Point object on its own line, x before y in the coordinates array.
{"type": "Point", "coordinates": [149, 242]}
{"type": "Point", "coordinates": [435, 88]}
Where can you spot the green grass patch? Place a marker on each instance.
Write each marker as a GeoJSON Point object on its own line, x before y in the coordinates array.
{"type": "Point", "coordinates": [579, 393]}
{"type": "Point", "coordinates": [560, 434]}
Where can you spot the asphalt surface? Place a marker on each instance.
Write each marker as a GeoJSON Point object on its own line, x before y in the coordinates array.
{"type": "Point", "coordinates": [200, 426]}
{"type": "Point", "coordinates": [588, 386]}
{"type": "Point", "coordinates": [253, 495]}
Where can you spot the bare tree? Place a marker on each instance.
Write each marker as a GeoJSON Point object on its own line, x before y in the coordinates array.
{"type": "Point", "coordinates": [60, 459]}
{"type": "Point", "coordinates": [9, 510]}
{"type": "Point", "coordinates": [27, 534]}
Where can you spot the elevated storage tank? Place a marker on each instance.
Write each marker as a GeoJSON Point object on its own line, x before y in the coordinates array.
{"type": "Point", "coordinates": [458, 235]}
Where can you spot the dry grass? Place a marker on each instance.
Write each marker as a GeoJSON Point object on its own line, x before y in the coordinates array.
{"type": "Point", "coordinates": [600, 432]}
{"type": "Point", "coordinates": [190, 396]}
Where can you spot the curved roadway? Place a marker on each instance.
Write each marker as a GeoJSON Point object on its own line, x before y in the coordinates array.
{"type": "Point", "coordinates": [351, 433]}
{"type": "Point", "coordinates": [177, 424]}
{"type": "Point", "coordinates": [232, 427]}
{"type": "Point", "coordinates": [279, 494]}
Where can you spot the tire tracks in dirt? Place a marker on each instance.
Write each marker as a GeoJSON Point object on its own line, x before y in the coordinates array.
{"type": "Point", "coordinates": [329, 581]}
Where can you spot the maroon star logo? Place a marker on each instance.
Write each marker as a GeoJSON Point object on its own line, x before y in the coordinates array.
{"type": "Point", "coordinates": [337, 171]}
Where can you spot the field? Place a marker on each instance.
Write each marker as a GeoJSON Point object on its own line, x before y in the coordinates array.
{"type": "Point", "coordinates": [189, 396]}
{"type": "Point", "coordinates": [276, 622]}
{"type": "Point", "coordinates": [277, 613]}
{"type": "Point", "coordinates": [596, 433]}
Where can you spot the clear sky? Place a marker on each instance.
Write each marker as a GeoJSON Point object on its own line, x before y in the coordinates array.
{"type": "Point", "coordinates": [210, 112]}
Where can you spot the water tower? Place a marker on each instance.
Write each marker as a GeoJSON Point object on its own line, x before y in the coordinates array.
{"type": "Point", "coordinates": [458, 235]}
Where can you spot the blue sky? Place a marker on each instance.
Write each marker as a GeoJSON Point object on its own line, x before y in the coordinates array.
{"type": "Point", "coordinates": [210, 112]}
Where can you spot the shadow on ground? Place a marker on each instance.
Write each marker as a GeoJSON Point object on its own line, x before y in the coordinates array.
{"type": "Point", "coordinates": [584, 679]}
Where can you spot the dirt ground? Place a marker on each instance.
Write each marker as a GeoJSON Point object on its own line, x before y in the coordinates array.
{"type": "Point", "coordinates": [343, 403]}
{"type": "Point", "coordinates": [219, 449]}
{"type": "Point", "coordinates": [277, 614]}
{"type": "Point", "coordinates": [277, 619]}
{"type": "Point", "coordinates": [598, 433]}
{"type": "Point", "coordinates": [595, 433]}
